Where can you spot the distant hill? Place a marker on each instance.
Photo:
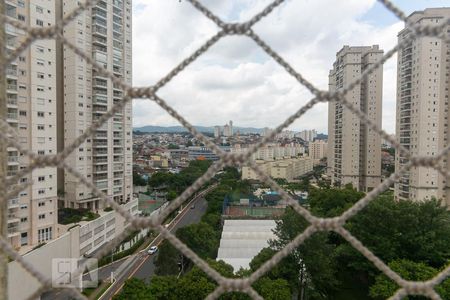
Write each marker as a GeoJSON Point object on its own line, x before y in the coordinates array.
{"type": "Point", "coordinates": [321, 136]}
{"type": "Point", "coordinates": [179, 129]}
{"type": "Point", "coordinates": [206, 129]}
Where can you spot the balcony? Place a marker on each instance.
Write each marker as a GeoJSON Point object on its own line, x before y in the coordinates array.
{"type": "Point", "coordinates": [99, 13]}
{"type": "Point", "coordinates": [100, 135]}
{"type": "Point", "coordinates": [11, 72]}
{"type": "Point", "coordinates": [118, 144]}
{"type": "Point", "coordinates": [100, 160]}
{"type": "Point", "coordinates": [100, 152]}
{"type": "Point", "coordinates": [96, 29]}
{"type": "Point", "coordinates": [100, 144]}
{"type": "Point", "coordinates": [100, 100]}
{"type": "Point", "coordinates": [11, 100]}
{"type": "Point", "coordinates": [13, 229]}
{"type": "Point", "coordinates": [118, 167]}
{"type": "Point", "coordinates": [12, 116]}
{"type": "Point", "coordinates": [13, 218]}
{"type": "Point", "coordinates": [13, 203]}
{"type": "Point", "coordinates": [117, 70]}
{"type": "Point", "coordinates": [101, 169]}
{"type": "Point", "coordinates": [11, 88]}
{"type": "Point", "coordinates": [99, 109]}
{"type": "Point", "coordinates": [13, 159]}
{"type": "Point", "coordinates": [11, 43]}
{"type": "Point", "coordinates": [102, 184]}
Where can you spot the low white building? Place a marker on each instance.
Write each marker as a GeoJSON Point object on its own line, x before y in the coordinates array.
{"type": "Point", "coordinates": [242, 240]}
{"type": "Point", "coordinates": [77, 241]}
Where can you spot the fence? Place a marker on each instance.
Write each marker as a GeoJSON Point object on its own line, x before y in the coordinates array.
{"type": "Point", "coordinates": [8, 139]}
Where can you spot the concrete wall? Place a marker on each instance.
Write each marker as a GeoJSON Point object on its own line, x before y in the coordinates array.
{"type": "Point", "coordinates": [66, 246]}
{"type": "Point", "coordinates": [72, 244]}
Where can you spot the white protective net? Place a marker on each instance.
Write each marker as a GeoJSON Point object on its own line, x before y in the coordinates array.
{"type": "Point", "coordinates": [8, 138]}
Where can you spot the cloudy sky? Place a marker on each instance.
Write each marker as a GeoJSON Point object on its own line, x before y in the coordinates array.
{"type": "Point", "coordinates": [235, 80]}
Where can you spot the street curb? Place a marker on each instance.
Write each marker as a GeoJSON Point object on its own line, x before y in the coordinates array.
{"type": "Point", "coordinates": [186, 209]}
{"type": "Point", "coordinates": [112, 283]}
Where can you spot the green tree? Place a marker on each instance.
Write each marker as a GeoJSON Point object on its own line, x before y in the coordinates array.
{"type": "Point", "coordinates": [166, 262]}
{"type": "Point", "coordinates": [385, 287]}
{"type": "Point", "coordinates": [163, 287]}
{"type": "Point", "coordinates": [332, 202]}
{"type": "Point", "coordinates": [173, 146]}
{"type": "Point", "coordinates": [138, 180]}
{"type": "Point", "coordinates": [314, 260]}
{"type": "Point", "coordinates": [201, 238]}
{"type": "Point", "coordinates": [134, 289]}
{"type": "Point", "coordinates": [270, 289]}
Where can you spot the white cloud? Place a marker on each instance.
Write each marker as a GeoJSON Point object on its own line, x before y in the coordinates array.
{"type": "Point", "coordinates": [235, 80]}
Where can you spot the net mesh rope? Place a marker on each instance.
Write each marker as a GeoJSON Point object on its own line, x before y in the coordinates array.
{"type": "Point", "coordinates": [8, 138]}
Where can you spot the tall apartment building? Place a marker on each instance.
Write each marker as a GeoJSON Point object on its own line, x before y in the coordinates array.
{"type": "Point", "coordinates": [217, 132]}
{"type": "Point", "coordinates": [31, 110]}
{"type": "Point", "coordinates": [228, 129]}
{"type": "Point", "coordinates": [307, 135]}
{"type": "Point", "coordinates": [318, 149]}
{"type": "Point", "coordinates": [105, 33]}
{"type": "Point", "coordinates": [422, 106]}
{"type": "Point", "coordinates": [354, 152]}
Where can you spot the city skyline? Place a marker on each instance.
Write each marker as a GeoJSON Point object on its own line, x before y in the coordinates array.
{"type": "Point", "coordinates": [237, 70]}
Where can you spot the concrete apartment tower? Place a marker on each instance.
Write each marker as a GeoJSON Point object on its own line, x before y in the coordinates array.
{"type": "Point", "coordinates": [422, 107]}
{"type": "Point", "coordinates": [103, 32]}
{"type": "Point", "coordinates": [31, 110]}
{"type": "Point", "coordinates": [354, 150]}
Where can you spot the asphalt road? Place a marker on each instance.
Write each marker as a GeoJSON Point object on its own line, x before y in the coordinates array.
{"type": "Point", "coordinates": [192, 216]}
{"type": "Point", "coordinates": [140, 265]}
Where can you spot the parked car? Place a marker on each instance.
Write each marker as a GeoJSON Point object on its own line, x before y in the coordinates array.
{"type": "Point", "coordinates": [193, 206]}
{"type": "Point", "coordinates": [152, 250]}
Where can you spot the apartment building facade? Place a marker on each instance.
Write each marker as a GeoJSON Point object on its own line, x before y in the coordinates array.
{"type": "Point", "coordinates": [289, 168]}
{"type": "Point", "coordinates": [354, 154]}
{"type": "Point", "coordinates": [31, 111]}
{"type": "Point", "coordinates": [423, 69]}
{"type": "Point", "coordinates": [272, 151]}
{"type": "Point", "coordinates": [318, 149]}
{"type": "Point", "coordinates": [104, 32]}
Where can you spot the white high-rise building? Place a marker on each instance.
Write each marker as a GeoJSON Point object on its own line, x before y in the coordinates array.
{"type": "Point", "coordinates": [354, 152]}
{"type": "Point", "coordinates": [307, 135]}
{"type": "Point", "coordinates": [318, 149]}
{"type": "Point", "coordinates": [228, 129]}
{"type": "Point", "coordinates": [106, 158]}
{"type": "Point", "coordinates": [217, 132]}
{"type": "Point", "coordinates": [422, 107]}
{"type": "Point", "coordinates": [31, 110]}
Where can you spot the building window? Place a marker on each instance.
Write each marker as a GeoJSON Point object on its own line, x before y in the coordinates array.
{"type": "Point", "coordinates": [40, 114]}
{"type": "Point", "coordinates": [41, 204]}
{"type": "Point", "coordinates": [41, 216]}
{"type": "Point", "coordinates": [39, 22]}
{"type": "Point", "coordinates": [44, 234]}
{"type": "Point", "coordinates": [40, 127]}
{"type": "Point", "coordinates": [41, 178]}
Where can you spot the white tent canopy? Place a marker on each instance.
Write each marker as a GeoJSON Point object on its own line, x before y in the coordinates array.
{"type": "Point", "coordinates": [244, 239]}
